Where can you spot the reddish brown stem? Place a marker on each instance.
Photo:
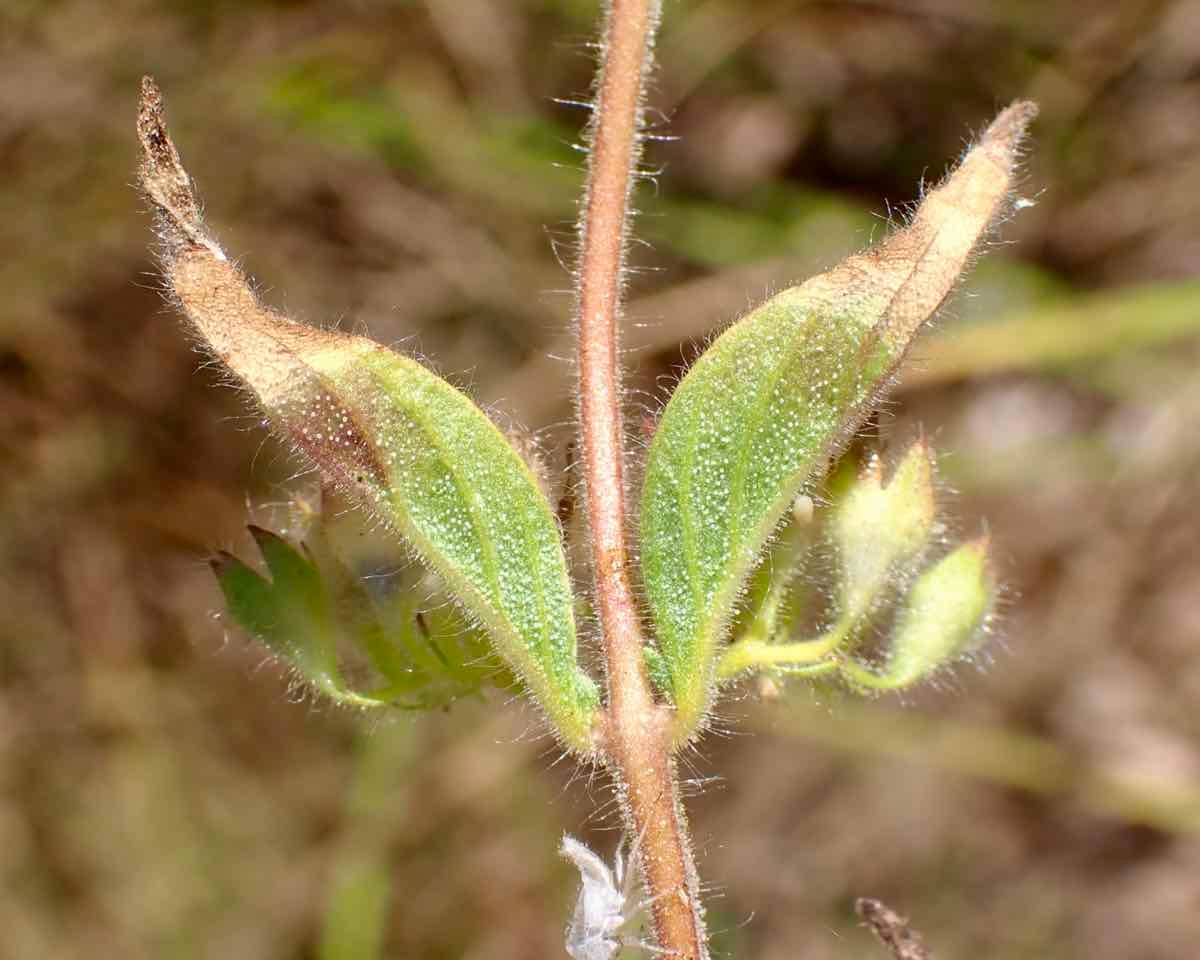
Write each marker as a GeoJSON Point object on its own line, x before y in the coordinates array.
{"type": "Point", "coordinates": [636, 730]}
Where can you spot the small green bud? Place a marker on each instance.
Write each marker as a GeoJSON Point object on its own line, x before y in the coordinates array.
{"type": "Point", "coordinates": [946, 610]}
{"type": "Point", "coordinates": [879, 530]}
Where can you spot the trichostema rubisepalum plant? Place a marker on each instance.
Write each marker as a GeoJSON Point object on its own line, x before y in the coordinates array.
{"type": "Point", "coordinates": [708, 591]}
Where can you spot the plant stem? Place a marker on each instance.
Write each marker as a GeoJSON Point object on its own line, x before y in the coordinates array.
{"type": "Point", "coordinates": [636, 730]}
{"type": "Point", "coordinates": [754, 652]}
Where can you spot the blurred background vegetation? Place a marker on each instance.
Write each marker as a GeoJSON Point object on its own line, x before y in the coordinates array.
{"type": "Point", "coordinates": [405, 168]}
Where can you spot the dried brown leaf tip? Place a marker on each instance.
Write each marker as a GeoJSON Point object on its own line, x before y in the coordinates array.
{"type": "Point", "coordinates": [1005, 133]}
{"type": "Point", "coordinates": [892, 930]}
{"type": "Point", "coordinates": [281, 361]}
{"type": "Point", "coordinates": [911, 273]}
{"type": "Point", "coordinates": [926, 259]}
{"type": "Point", "coordinates": [164, 180]}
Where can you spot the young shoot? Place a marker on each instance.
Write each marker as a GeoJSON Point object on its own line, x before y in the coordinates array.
{"type": "Point", "coordinates": [741, 445]}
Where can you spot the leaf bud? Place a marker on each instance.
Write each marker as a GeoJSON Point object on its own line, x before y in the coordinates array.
{"type": "Point", "coordinates": [942, 618]}
{"type": "Point", "coordinates": [879, 529]}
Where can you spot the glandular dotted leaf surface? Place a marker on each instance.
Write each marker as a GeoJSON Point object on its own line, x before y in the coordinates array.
{"type": "Point", "coordinates": [427, 461]}
{"type": "Point", "coordinates": [451, 482]}
{"type": "Point", "coordinates": [748, 425]}
{"type": "Point", "coordinates": [414, 450]}
{"type": "Point", "coordinates": [762, 409]}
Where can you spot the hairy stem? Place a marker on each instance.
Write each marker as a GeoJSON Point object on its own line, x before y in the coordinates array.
{"type": "Point", "coordinates": [636, 730]}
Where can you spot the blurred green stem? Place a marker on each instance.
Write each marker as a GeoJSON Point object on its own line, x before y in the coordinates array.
{"type": "Point", "coordinates": [355, 922]}
{"type": "Point", "coordinates": [1002, 756]}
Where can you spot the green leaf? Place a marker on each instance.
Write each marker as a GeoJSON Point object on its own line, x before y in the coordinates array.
{"type": "Point", "coordinates": [419, 454]}
{"type": "Point", "coordinates": [357, 613]}
{"type": "Point", "coordinates": [310, 610]}
{"type": "Point", "coordinates": [759, 414]}
{"type": "Point", "coordinates": [744, 430]}
{"type": "Point", "coordinates": [432, 465]}
{"type": "Point", "coordinates": [289, 613]}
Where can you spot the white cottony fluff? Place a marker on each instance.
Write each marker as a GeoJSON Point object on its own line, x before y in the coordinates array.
{"type": "Point", "coordinates": [604, 909]}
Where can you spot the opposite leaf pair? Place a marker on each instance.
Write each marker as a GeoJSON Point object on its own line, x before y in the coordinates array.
{"type": "Point", "coordinates": [747, 429]}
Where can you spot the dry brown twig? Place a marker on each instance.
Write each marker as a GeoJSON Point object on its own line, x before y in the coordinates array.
{"type": "Point", "coordinates": [892, 930]}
